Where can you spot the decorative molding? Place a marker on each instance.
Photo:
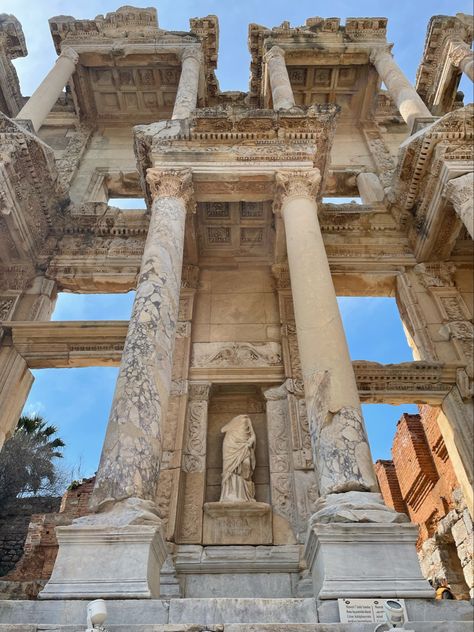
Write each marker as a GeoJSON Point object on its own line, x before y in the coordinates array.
{"type": "Point", "coordinates": [296, 184]}
{"type": "Point", "coordinates": [175, 183]}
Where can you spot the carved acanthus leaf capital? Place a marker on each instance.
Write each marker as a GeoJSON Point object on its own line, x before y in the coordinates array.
{"type": "Point", "coordinates": [379, 54]}
{"type": "Point", "coordinates": [457, 52]}
{"type": "Point", "coordinates": [296, 184]}
{"type": "Point", "coordinates": [275, 51]}
{"type": "Point", "coordinates": [199, 391]}
{"type": "Point", "coordinates": [69, 53]}
{"type": "Point", "coordinates": [177, 183]}
{"type": "Point", "coordinates": [192, 52]}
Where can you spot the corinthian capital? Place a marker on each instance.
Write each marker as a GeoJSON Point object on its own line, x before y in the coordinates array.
{"type": "Point", "coordinates": [275, 51]}
{"type": "Point", "coordinates": [379, 54]}
{"type": "Point", "coordinates": [176, 183]}
{"type": "Point", "coordinates": [69, 53]}
{"type": "Point", "coordinates": [457, 52]}
{"type": "Point", "coordinates": [192, 52]}
{"type": "Point", "coordinates": [296, 184]}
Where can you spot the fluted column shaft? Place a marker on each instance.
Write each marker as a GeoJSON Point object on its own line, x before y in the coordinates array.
{"type": "Point", "coordinates": [462, 57]}
{"type": "Point", "coordinates": [187, 94]}
{"type": "Point", "coordinates": [340, 446]}
{"type": "Point", "coordinates": [282, 93]}
{"type": "Point", "coordinates": [131, 456]}
{"type": "Point", "coordinates": [408, 101]}
{"type": "Point", "coordinates": [41, 102]}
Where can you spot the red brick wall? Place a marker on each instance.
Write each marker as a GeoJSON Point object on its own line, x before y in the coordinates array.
{"type": "Point", "coordinates": [422, 469]}
{"type": "Point", "coordinates": [389, 485]}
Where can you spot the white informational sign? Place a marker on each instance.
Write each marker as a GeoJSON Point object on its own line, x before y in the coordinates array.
{"type": "Point", "coordinates": [365, 610]}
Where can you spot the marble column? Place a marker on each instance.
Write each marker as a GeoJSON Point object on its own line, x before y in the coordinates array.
{"type": "Point", "coordinates": [409, 103]}
{"type": "Point", "coordinates": [40, 103]}
{"type": "Point", "coordinates": [15, 382]}
{"type": "Point", "coordinates": [341, 452]}
{"type": "Point", "coordinates": [370, 188]}
{"type": "Point", "coordinates": [117, 551]}
{"type": "Point", "coordinates": [461, 56]}
{"type": "Point", "coordinates": [352, 533]}
{"type": "Point", "coordinates": [460, 192]}
{"type": "Point", "coordinates": [282, 92]}
{"type": "Point", "coordinates": [130, 461]}
{"type": "Point", "coordinates": [187, 94]}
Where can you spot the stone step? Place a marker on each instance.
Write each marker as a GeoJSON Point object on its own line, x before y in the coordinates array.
{"type": "Point", "coordinates": [222, 614]}
{"type": "Point", "coordinates": [426, 626]}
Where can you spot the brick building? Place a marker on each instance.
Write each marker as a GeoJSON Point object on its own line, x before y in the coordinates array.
{"type": "Point", "coordinates": [420, 481]}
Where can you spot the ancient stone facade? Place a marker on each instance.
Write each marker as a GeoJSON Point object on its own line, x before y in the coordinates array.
{"type": "Point", "coordinates": [236, 264]}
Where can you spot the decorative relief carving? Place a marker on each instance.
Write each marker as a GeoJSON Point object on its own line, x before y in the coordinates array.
{"type": "Point", "coordinates": [7, 303]}
{"type": "Point", "coordinates": [217, 354]}
{"type": "Point", "coordinates": [435, 274]}
{"type": "Point", "coordinates": [295, 184]}
{"type": "Point", "coordinates": [217, 210]}
{"type": "Point", "coordinates": [190, 277]}
{"type": "Point", "coordinates": [194, 447]}
{"type": "Point", "coordinates": [176, 183]}
{"type": "Point", "coordinates": [69, 161]}
{"type": "Point", "coordinates": [218, 234]}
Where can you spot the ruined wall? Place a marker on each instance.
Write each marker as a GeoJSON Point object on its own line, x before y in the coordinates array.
{"type": "Point", "coordinates": [421, 479]}
{"type": "Point", "coordinates": [15, 518]}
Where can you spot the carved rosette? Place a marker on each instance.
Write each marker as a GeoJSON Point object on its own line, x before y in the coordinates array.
{"type": "Point", "coordinates": [175, 183]}
{"type": "Point", "coordinates": [296, 184]}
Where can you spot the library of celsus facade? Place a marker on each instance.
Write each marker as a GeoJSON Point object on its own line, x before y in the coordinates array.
{"type": "Point", "coordinates": [236, 484]}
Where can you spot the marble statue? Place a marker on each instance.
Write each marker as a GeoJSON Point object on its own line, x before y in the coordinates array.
{"type": "Point", "coordinates": [238, 455]}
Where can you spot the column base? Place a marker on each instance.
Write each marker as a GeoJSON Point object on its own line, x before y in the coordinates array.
{"type": "Point", "coordinates": [365, 560]}
{"type": "Point", "coordinates": [108, 556]}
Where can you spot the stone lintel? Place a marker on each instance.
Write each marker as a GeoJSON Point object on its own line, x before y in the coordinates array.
{"type": "Point", "coordinates": [100, 343]}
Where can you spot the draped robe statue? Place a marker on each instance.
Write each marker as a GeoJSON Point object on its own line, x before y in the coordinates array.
{"type": "Point", "coordinates": [238, 455]}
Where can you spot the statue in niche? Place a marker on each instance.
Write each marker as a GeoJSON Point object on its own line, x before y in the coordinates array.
{"type": "Point", "coordinates": [238, 456]}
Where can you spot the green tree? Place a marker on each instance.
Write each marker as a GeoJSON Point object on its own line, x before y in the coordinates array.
{"type": "Point", "coordinates": [28, 459]}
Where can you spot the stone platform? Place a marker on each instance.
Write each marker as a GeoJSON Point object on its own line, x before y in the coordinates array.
{"type": "Point", "coordinates": [218, 615]}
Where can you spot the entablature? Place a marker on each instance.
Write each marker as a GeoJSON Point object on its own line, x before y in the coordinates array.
{"type": "Point", "coordinates": [64, 344]}
{"type": "Point", "coordinates": [129, 68]}
{"type": "Point", "coordinates": [438, 77]}
{"type": "Point", "coordinates": [327, 62]}
{"type": "Point", "coordinates": [427, 161]}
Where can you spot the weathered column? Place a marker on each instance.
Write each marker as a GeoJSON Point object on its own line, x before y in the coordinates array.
{"type": "Point", "coordinates": [330, 387]}
{"type": "Point", "coordinates": [118, 551]}
{"type": "Point", "coordinates": [130, 461]}
{"type": "Point", "coordinates": [409, 103]}
{"type": "Point", "coordinates": [40, 103]}
{"type": "Point", "coordinates": [370, 188]}
{"type": "Point", "coordinates": [460, 192]}
{"type": "Point", "coordinates": [282, 92]}
{"type": "Point", "coordinates": [352, 532]}
{"type": "Point", "coordinates": [187, 94]}
{"type": "Point", "coordinates": [461, 56]}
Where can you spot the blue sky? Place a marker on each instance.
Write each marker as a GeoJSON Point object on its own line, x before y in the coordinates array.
{"type": "Point", "coordinates": [78, 400]}
{"type": "Point", "coordinates": [406, 27]}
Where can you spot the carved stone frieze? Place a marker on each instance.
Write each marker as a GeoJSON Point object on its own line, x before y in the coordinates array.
{"type": "Point", "coordinates": [215, 354]}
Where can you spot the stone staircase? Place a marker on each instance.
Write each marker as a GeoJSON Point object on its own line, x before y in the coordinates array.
{"type": "Point", "coordinates": [222, 615]}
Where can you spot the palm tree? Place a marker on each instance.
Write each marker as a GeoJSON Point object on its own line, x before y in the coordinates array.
{"type": "Point", "coordinates": [27, 464]}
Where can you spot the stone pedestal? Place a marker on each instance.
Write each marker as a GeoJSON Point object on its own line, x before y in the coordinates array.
{"type": "Point", "coordinates": [365, 560]}
{"type": "Point", "coordinates": [237, 523]}
{"type": "Point", "coordinates": [113, 562]}
{"type": "Point", "coordinates": [114, 555]}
